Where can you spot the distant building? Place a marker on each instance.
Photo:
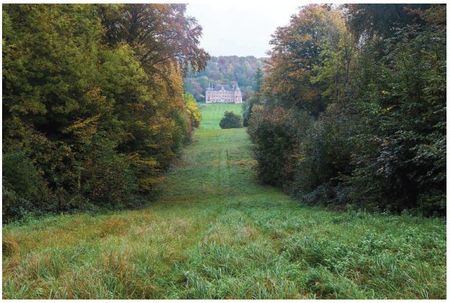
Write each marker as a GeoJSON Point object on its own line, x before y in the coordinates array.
{"type": "Point", "coordinates": [223, 94]}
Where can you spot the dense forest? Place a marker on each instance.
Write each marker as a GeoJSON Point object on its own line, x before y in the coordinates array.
{"type": "Point", "coordinates": [224, 70]}
{"type": "Point", "coordinates": [94, 109]}
{"type": "Point", "coordinates": [352, 108]}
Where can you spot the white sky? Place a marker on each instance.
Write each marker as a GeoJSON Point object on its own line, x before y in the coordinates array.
{"type": "Point", "coordinates": [241, 28]}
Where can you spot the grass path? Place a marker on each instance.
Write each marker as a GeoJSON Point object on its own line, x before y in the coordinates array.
{"type": "Point", "coordinates": [216, 233]}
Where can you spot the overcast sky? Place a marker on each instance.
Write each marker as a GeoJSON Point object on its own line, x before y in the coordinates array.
{"type": "Point", "coordinates": [240, 28]}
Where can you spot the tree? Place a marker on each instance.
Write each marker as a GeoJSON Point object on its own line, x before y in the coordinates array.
{"type": "Point", "coordinates": [231, 120]}
{"type": "Point", "coordinates": [255, 99]}
{"type": "Point", "coordinates": [367, 20]}
{"type": "Point", "coordinates": [158, 33]}
{"type": "Point", "coordinates": [193, 110]}
{"type": "Point", "coordinates": [93, 102]}
{"type": "Point", "coordinates": [401, 154]}
{"type": "Point", "coordinates": [374, 96]}
{"type": "Point", "coordinates": [297, 52]}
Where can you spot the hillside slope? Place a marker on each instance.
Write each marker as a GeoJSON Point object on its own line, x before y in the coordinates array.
{"type": "Point", "coordinates": [224, 70]}
{"type": "Point", "coordinates": [216, 233]}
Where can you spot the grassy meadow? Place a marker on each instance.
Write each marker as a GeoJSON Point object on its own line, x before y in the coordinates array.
{"type": "Point", "coordinates": [214, 232]}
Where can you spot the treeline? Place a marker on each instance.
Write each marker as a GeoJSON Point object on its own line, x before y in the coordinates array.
{"type": "Point", "coordinates": [93, 103]}
{"type": "Point", "coordinates": [352, 110]}
{"type": "Point", "coordinates": [224, 70]}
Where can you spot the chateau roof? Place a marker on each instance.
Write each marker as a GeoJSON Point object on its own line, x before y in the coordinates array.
{"type": "Point", "coordinates": [224, 87]}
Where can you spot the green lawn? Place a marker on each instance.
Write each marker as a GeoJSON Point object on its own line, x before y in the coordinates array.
{"type": "Point", "coordinates": [216, 233]}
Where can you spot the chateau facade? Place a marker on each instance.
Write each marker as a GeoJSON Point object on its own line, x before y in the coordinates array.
{"type": "Point", "coordinates": [223, 94]}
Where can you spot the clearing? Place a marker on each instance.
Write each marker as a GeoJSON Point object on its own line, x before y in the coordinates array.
{"type": "Point", "coordinates": [216, 233]}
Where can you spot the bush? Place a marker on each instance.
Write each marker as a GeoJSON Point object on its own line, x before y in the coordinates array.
{"type": "Point", "coordinates": [193, 110]}
{"type": "Point", "coordinates": [323, 159]}
{"type": "Point", "coordinates": [231, 120]}
{"type": "Point", "coordinates": [24, 190]}
{"type": "Point", "coordinates": [109, 180]}
{"type": "Point", "coordinates": [247, 110]}
{"type": "Point", "coordinates": [273, 145]}
{"type": "Point", "coordinates": [275, 134]}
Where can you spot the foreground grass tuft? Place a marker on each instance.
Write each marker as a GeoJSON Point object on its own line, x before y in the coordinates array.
{"type": "Point", "coordinates": [216, 233]}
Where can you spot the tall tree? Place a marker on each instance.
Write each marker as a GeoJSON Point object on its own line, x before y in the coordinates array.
{"type": "Point", "coordinates": [374, 90]}
{"type": "Point", "coordinates": [297, 50]}
{"type": "Point", "coordinates": [93, 102]}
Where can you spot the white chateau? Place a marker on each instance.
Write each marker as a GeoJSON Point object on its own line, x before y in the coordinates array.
{"type": "Point", "coordinates": [223, 94]}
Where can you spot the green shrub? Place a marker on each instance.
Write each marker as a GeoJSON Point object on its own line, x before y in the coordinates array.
{"type": "Point", "coordinates": [231, 120]}
{"type": "Point", "coordinates": [109, 180]}
{"type": "Point", "coordinates": [323, 159]}
{"type": "Point", "coordinates": [275, 133]}
{"type": "Point", "coordinates": [193, 110]}
{"type": "Point", "coordinates": [24, 189]}
{"type": "Point", "coordinates": [273, 145]}
{"type": "Point", "coordinates": [247, 108]}
{"type": "Point", "coordinates": [247, 111]}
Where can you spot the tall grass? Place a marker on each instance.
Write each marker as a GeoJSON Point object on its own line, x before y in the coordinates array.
{"type": "Point", "coordinates": [216, 233]}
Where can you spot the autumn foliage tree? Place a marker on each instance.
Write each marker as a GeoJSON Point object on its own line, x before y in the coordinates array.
{"type": "Point", "coordinates": [298, 50]}
{"type": "Point", "coordinates": [93, 106]}
{"type": "Point", "coordinates": [354, 111]}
